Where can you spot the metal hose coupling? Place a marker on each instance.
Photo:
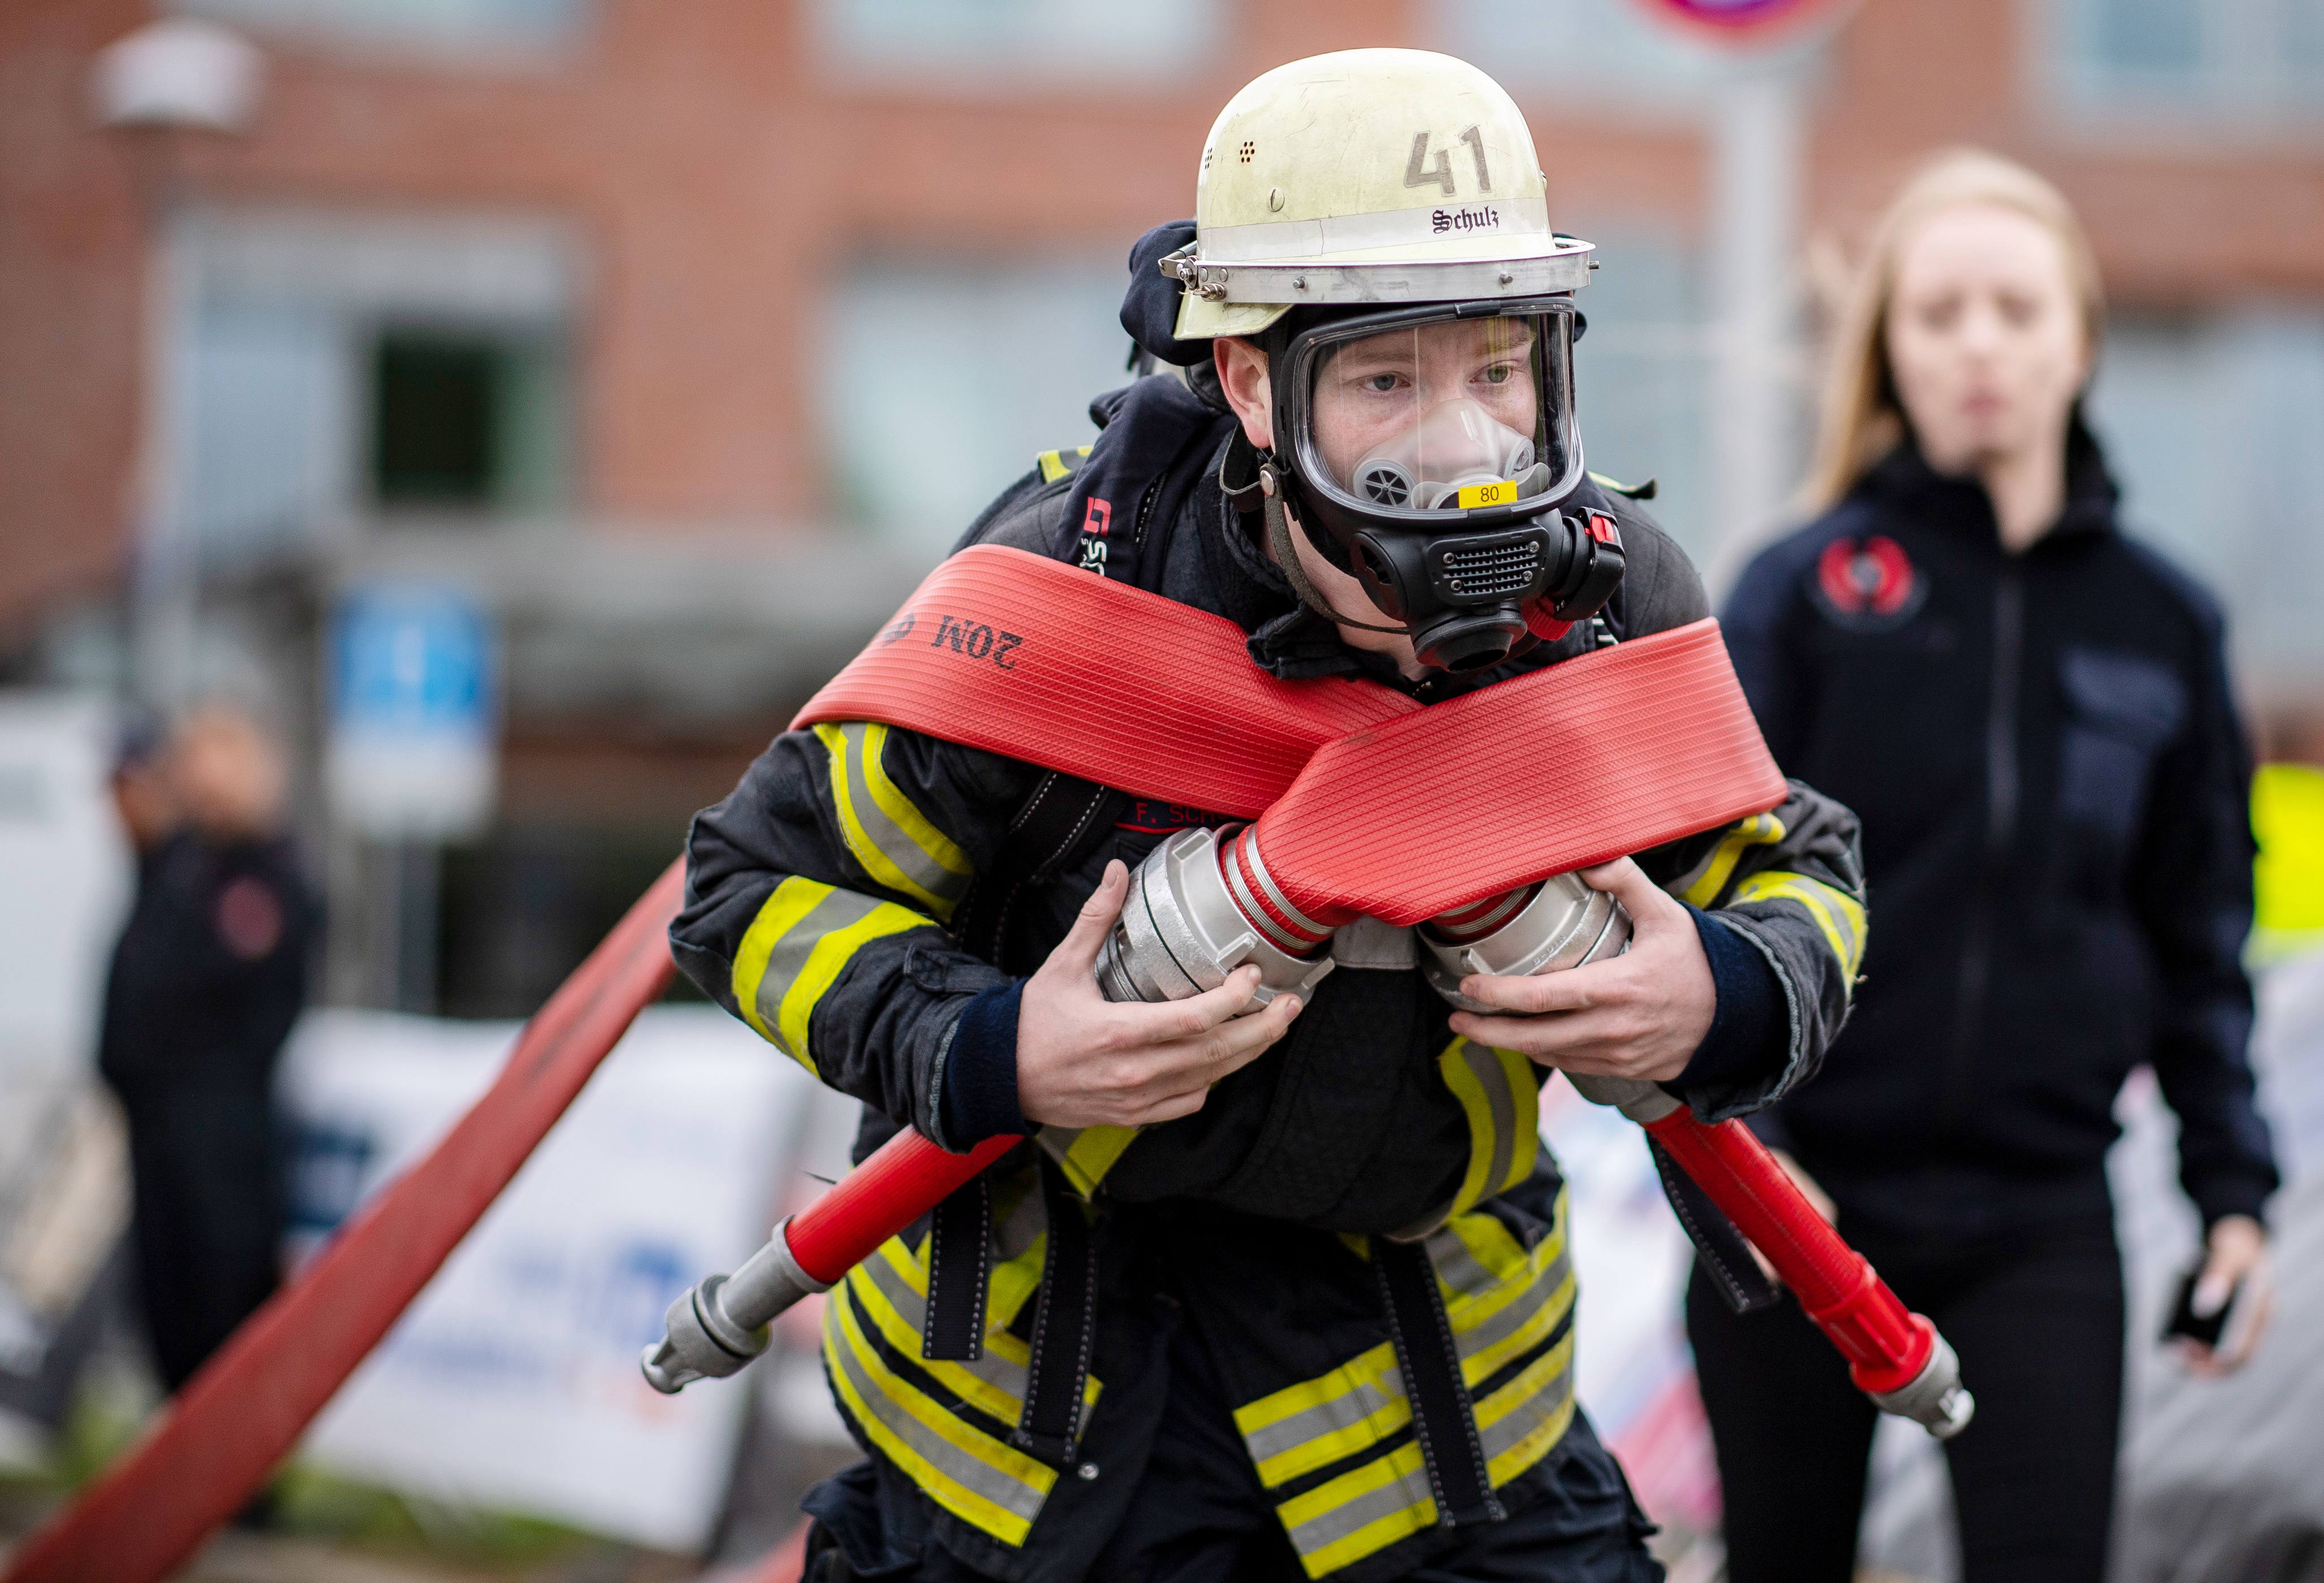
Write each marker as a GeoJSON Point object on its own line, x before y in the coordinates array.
{"type": "Point", "coordinates": [1202, 905]}
{"type": "Point", "coordinates": [1559, 922]}
{"type": "Point", "coordinates": [722, 1324]}
{"type": "Point", "coordinates": [1935, 1399]}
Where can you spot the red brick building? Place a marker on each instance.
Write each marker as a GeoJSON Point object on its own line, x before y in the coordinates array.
{"type": "Point", "coordinates": [685, 333]}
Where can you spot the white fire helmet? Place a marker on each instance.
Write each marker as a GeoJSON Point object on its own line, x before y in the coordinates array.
{"type": "Point", "coordinates": [1376, 221]}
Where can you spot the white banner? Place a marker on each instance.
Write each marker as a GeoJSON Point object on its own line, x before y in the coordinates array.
{"type": "Point", "coordinates": [512, 1382]}
{"type": "Point", "coordinates": [1633, 1370]}
{"type": "Point", "coordinates": [64, 876]}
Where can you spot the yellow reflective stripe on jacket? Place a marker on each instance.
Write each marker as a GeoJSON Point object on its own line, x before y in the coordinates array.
{"type": "Point", "coordinates": [1501, 1090]}
{"type": "Point", "coordinates": [894, 841]}
{"type": "Point", "coordinates": [1636, 491]}
{"type": "Point", "coordinates": [1369, 1508]}
{"type": "Point", "coordinates": [1503, 1299]}
{"type": "Point", "coordinates": [1709, 877]}
{"type": "Point", "coordinates": [1839, 915]}
{"type": "Point", "coordinates": [1318, 1421]}
{"type": "Point", "coordinates": [804, 937]}
{"type": "Point", "coordinates": [1502, 1309]}
{"type": "Point", "coordinates": [1518, 1425]}
{"type": "Point", "coordinates": [891, 1287]}
{"type": "Point", "coordinates": [984, 1481]}
{"type": "Point", "coordinates": [1020, 1222]}
{"type": "Point", "coordinates": [1361, 1512]}
{"type": "Point", "coordinates": [1061, 463]}
{"type": "Point", "coordinates": [1086, 1154]}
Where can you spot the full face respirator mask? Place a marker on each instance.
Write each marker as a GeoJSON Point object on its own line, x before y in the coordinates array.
{"type": "Point", "coordinates": [1430, 453]}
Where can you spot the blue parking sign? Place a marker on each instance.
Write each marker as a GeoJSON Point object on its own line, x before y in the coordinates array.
{"type": "Point", "coordinates": [411, 659]}
{"type": "Point", "coordinates": [413, 711]}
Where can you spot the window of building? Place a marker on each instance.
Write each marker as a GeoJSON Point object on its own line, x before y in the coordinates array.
{"type": "Point", "coordinates": [1642, 378]}
{"type": "Point", "coordinates": [463, 419]}
{"type": "Point", "coordinates": [424, 23]}
{"type": "Point", "coordinates": [326, 367]}
{"type": "Point", "coordinates": [2217, 60]}
{"type": "Point", "coordinates": [432, 420]}
{"type": "Point", "coordinates": [1002, 40]}
{"type": "Point", "coordinates": [268, 421]}
{"type": "Point", "coordinates": [947, 380]}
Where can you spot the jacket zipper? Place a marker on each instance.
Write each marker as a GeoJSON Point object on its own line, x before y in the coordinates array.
{"type": "Point", "coordinates": [2001, 797]}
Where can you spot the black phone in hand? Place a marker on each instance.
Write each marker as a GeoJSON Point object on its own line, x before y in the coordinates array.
{"type": "Point", "coordinates": [2185, 1321]}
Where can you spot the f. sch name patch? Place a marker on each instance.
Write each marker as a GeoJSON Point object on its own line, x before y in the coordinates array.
{"type": "Point", "coordinates": [1149, 816]}
{"type": "Point", "coordinates": [1867, 584]}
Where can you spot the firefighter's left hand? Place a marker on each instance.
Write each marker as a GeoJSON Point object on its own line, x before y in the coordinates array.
{"type": "Point", "coordinates": [1639, 1015]}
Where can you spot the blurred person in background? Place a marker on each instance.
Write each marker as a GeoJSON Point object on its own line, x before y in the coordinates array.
{"type": "Point", "coordinates": [142, 794]}
{"type": "Point", "coordinates": [2031, 711]}
{"type": "Point", "coordinates": [208, 976]}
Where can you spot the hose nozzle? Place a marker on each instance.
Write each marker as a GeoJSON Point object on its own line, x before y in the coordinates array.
{"type": "Point", "coordinates": [1935, 1398]}
{"type": "Point", "coordinates": [722, 1323]}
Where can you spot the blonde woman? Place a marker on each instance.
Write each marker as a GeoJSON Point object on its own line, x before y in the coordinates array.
{"type": "Point", "coordinates": [2030, 711]}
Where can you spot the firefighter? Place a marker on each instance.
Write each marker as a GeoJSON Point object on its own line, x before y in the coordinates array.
{"type": "Point", "coordinates": [207, 979]}
{"type": "Point", "coordinates": [1180, 1358]}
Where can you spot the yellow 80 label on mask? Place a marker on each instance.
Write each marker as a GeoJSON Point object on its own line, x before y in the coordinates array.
{"type": "Point", "coordinates": [1498, 493]}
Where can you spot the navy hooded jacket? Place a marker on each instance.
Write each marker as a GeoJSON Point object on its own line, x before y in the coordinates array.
{"type": "Point", "coordinates": [2054, 786]}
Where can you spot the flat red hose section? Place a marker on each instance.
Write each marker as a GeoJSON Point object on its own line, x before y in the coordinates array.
{"type": "Point", "coordinates": [1020, 655]}
{"type": "Point", "coordinates": [215, 1443]}
{"type": "Point", "coordinates": [1374, 805]}
{"type": "Point", "coordinates": [1612, 753]}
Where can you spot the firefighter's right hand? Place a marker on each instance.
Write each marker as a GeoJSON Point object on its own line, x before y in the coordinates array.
{"type": "Point", "coordinates": [1084, 1060]}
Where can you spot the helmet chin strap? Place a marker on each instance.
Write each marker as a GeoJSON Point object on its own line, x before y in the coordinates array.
{"type": "Point", "coordinates": [1287, 555]}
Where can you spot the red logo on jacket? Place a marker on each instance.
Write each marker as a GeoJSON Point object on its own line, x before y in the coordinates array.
{"type": "Point", "coordinates": [1868, 583]}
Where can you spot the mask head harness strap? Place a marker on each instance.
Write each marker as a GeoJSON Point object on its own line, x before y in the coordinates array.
{"type": "Point", "coordinates": [1286, 555]}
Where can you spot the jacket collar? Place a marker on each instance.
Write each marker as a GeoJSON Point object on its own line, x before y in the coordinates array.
{"type": "Point", "coordinates": [1905, 477]}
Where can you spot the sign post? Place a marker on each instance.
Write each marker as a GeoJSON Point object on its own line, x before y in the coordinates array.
{"type": "Point", "coordinates": [413, 758]}
{"type": "Point", "coordinates": [1757, 157]}
{"type": "Point", "coordinates": [1758, 148]}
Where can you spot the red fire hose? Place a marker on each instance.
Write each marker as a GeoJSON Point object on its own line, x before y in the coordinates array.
{"type": "Point", "coordinates": [1893, 1355]}
{"type": "Point", "coordinates": [215, 1443]}
{"type": "Point", "coordinates": [212, 1447]}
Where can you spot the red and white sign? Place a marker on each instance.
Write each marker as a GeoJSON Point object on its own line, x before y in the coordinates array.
{"type": "Point", "coordinates": [1747, 21]}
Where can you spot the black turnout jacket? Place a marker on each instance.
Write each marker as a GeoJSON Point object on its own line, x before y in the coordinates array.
{"type": "Point", "coordinates": [863, 900]}
{"type": "Point", "coordinates": [2045, 750]}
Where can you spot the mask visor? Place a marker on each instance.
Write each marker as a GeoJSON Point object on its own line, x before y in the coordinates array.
{"type": "Point", "coordinates": [1440, 420]}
